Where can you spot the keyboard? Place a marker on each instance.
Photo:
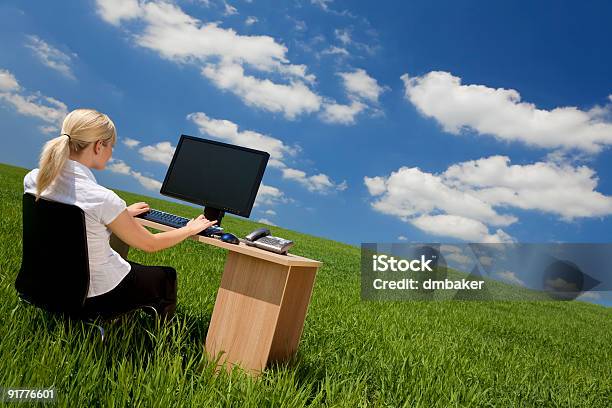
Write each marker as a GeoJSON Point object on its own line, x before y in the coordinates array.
{"type": "Point", "coordinates": [176, 221]}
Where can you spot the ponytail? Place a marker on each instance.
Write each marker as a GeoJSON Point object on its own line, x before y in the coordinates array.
{"type": "Point", "coordinates": [81, 127]}
{"type": "Point", "coordinates": [52, 160]}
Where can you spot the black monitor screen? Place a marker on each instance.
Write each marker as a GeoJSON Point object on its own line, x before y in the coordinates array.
{"type": "Point", "coordinates": [215, 174]}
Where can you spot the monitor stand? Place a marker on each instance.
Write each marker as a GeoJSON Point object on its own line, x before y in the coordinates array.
{"type": "Point", "coordinates": [212, 214]}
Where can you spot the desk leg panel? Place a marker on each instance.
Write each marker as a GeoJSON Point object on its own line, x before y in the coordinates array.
{"type": "Point", "coordinates": [292, 312]}
{"type": "Point", "coordinates": [246, 311]}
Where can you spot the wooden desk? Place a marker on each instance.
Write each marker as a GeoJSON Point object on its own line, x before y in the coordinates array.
{"type": "Point", "coordinates": [261, 304]}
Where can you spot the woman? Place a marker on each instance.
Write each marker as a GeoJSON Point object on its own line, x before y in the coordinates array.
{"type": "Point", "coordinates": [115, 285]}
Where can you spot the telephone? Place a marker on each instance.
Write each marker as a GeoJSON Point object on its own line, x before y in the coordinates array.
{"type": "Point", "coordinates": [262, 239]}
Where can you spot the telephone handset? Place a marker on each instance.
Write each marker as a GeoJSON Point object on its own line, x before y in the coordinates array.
{"type": "Point", "coordinates": [255, 235]}
{"type": "Point", "coordinates": [261, 238]}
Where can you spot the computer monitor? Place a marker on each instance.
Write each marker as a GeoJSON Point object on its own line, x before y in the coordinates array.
{"type": "Point", "coordinates": [220, 176]}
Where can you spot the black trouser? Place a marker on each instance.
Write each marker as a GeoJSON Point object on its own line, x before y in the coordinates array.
{"type": "Point", "coordinates": [143, 286]}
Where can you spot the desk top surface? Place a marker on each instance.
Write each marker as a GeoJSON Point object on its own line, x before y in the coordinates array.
{"type": "Point", "coordinates": [289, 259]}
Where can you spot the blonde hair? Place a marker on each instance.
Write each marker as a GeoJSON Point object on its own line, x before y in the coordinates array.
{"type": "Point", "coordinates": [81, 127]}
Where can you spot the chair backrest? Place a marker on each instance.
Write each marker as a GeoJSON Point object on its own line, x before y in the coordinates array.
{"type": "Point", "coordinates": [54, 272]}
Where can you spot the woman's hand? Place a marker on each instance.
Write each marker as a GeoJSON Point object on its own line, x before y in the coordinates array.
{"type": "Point", "coordinates": [199, 224]}
{"type": "Point", "coordinates": [137, 209]}
{"type": "Point", "coordinates": [135, 235]}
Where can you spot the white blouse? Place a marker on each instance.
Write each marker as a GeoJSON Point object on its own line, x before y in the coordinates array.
{"type": "Point", "coordinates": [77, 185]}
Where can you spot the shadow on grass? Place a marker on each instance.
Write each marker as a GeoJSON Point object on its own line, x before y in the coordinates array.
{"type": "Point", "coordinates": [138, 336]}
{"type": "Point", "coordinates": [197, 326]}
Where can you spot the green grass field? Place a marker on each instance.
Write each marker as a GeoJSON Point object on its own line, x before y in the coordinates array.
{"type": "Point", "coordinates": [352, 353]}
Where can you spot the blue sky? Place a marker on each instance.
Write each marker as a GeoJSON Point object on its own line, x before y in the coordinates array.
{"type": "Point", "coordinates": [415, 121]}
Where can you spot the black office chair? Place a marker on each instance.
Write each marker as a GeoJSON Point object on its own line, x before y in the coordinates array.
{"type": "Point", "coordinates": [54, 272]}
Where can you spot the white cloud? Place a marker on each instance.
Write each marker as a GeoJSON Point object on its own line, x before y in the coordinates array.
{"type": "Point", "coordinates": [510, 277]}
{"type": "Point", "coordinates": [300, 25]}
{"type": "Point", "coordinates": [560, 189]}
{"type": "Point", "coordinates": [251, 20]}
{"type": "Point", "coordinates": [161, 152]}
{"type": "Point", "coordinates": [319, 182]}
{"type": "Point", "coordinates": [346, 39]}
{"type": "Point", "coordinates": [289, 99]}
{"type": "Point", "coordinates": [463, 201]}
{"type": "Point", "coordinates": [229, 132]}
{"type": "Point", "coordinates": [269, 195]}
{"type": "Point", "coordinates": [319, 38]}
{"type": "Point", "coordinates": [560, 285]}
{"type": "Point", "coordinates": [42, 107]}
{"type": "Point", "coordinates": [485, 260]}
{"type": "Point", "coordinates": [51, 56]}
{"type": "Point", "coordinates": [229, 10]}
{"type": "Point", "coordinates": [131, 143]}
{"type": "Point", "coordinates": [344, 36]}
{"type": "Point", "coordinates": [270, 212]}
{"type": "Point", "coordinates": [459, 227]}
{"type": "Point", "coordinates": [49, 129]}
{"type": "Point", "coordinates": [147, 182]}
{"type": "Point", "coordinates": [120, 167]}
{"type": "Point", "coordinates": [410, 192]}
{"type": "Point", "coordinates": [359, 84]}
{"type": "Point", "coordinates": [333, 50]}
{"type": "Point", "coordinates": [321, 3]}
{"type": "Point", "coordinates": [178, 36]}
{"type": "Point", "coordinates": [324, 5]}
{"type": "Point", "coordinates": [114, 11]}
{"type": "Point", "coordinates": [456, 254]}
{"type": "Point", "coordinates": [376, 185]}
{"type": "Point", "coordinates": [446, 248]}
{"type": "Point", "coordinates": [266, 221]}
{"type": "Point", "coordinates": [45, 108]}
{"type": "Point", "coordinates": [589, 296]}
{"type": "Point", "coordinates": [222, 54]}
{"type": "Point", "coordinates": [402, 238]}
{"type": "Point", "coordinates": [501, 113]}
{"type": "Point", "coordinates": [8, 82]}
{"type": "Point", "coordinates": [361, 90]}
{"type": "Point", "coordinates": [341, 114]}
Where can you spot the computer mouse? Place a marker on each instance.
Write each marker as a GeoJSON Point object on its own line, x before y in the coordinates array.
{"type": "Point", "coordinates": [229, 238]}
